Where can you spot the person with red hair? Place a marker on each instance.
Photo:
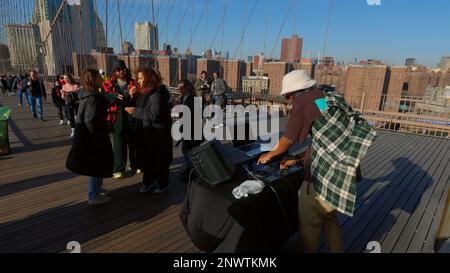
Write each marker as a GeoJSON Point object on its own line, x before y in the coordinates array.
{"type": "Point", "coordinates": [153, 136]}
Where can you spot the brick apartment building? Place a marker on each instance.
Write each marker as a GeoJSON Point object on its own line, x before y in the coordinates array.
{"type": "Point", "coordinates": [231, 71]}
{"type": "Point", "coordinates": [210, 66]}
{"type": "Point", "coordinates": [330, 75]}
{"type": "Point", "coordinates": [291, 49]}
{"type": "Point", "coordinates": [168, 67]}
{"type": "Point", "coordinates": [95, 60]}
{"type": "Point", "coordinates": [368, 79]}
{"type": "Point", "coordinates": [417, 81]}
{"type": "Point", "coordinates": [276, 71]}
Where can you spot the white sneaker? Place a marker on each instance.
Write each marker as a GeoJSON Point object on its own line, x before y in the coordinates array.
{"type": "Point", "coordinates": [61, 122]}
{"type": "Point", "coordinates": [68, 123]}
{"type": "Point", "coordinates": [72, 132]}
{"type": "Point", "coordinates": [100, 200]}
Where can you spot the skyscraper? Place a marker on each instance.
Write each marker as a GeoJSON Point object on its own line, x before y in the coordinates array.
{"type": "Point", "coordinates": [146, 36]}
{"type": "Point", "coordinates": [23, 42]}
{"type": "Point", "coordinates": [75, 30]}
{"type": "Point", "coordinates": [291, 49]}
{"type": "Point", "coordinates": [444, 65]}
{"type": "Point", "coordinates": [57, 51]}
{"type": "Point", "coordinates": [84, 22]}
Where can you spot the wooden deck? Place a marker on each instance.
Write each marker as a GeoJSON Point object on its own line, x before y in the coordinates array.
{"type": "Point", "coordinates": [43, 206]}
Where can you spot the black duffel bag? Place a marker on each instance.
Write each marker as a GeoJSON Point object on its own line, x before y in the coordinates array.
{"type": "Point", "coordinates": [205, 217]}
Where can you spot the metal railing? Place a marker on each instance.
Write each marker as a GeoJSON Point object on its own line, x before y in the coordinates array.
{"type": "Point", "coordinates": [407, 114]}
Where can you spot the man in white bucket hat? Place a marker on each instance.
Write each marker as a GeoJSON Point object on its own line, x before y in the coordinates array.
{"type": "Point", "coordinates": [301, 89]}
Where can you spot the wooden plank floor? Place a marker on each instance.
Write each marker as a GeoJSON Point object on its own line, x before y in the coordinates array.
{"type": "Point", "coordinates": [43, 206]}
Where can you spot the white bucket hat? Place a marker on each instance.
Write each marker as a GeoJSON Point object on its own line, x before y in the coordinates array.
{"type": "Point", "coordinates": [295, 81]}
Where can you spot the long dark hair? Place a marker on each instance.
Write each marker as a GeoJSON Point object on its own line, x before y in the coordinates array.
{"type": "Point", "coordinates": [152, 80]}
{"type": "Point", "coordinates": [70, 78]}
{"type": "Point", "coordinates": [187, 84]}
{"type": "Point", "coordinates": [88, 79]}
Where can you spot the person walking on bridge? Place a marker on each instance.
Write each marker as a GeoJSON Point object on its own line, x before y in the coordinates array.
{"type": "Point", "coordinates": [37, 92]}
{"type": "Point", "coordinates": [70, 95]}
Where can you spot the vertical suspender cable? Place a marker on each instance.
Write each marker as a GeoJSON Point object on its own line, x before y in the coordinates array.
{"type": "Point", "coordinates": [154, 34]}
{"type": "Point", "coordinates": [281, 28]}
{"type": "Point", "coordinates": [327, 28]}
{"type": "Point", "coordinates": [106, 23]}
{"type": "Point", "coordinates": [120, 29]}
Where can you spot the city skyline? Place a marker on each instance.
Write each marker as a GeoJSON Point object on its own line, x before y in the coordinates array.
{"type": "Point", "coordinates": [374, 32]}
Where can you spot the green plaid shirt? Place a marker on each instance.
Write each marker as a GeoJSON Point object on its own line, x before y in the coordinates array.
{"type": "Point", "coordinates": [340, 139]}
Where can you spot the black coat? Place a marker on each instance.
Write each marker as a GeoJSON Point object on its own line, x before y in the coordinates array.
{"type": "Point", "coordinates": [56, 97]}
{"type": "Point", "coordinates": [91, 152]}
{"type": "Point", "coordinates": [36, 88]}
{"type": "Point", "coordinates": [154, 146]}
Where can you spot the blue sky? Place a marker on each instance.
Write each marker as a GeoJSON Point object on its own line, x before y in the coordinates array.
{"type": "Point", "coordinates": [391, 32]}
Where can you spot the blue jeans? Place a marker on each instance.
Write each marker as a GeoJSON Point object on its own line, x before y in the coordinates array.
{"type": "Point", "coordinates": [27, 97]}
{"type": "Point", "coordinates": [95, 186]}
{"type": "Point", "coordinates": [33, 101]}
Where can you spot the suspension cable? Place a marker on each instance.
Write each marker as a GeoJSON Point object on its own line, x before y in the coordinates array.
{"type": "Point", "coordinates": [330, 9]}
{"type": "Point", "coordinates": [281, 28]}
{"type": "Point", "coordinates": [220, 23]}
{"type": "Point", "coordinates": [245, 29]}
{"type": "Point", "coordinates": [59, 12]}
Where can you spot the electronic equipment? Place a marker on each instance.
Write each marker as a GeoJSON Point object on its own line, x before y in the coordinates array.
{"type": "Point", "coordinates": [211, 162]}
{"type": "Point", "coordinates": [271, 172]}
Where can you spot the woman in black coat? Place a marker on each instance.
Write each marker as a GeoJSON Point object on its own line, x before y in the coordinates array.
{"type": "Point", "coordinates": [187, 91]}
{"type": "Point", "coordinates": [91, 154]}
{"type": "Point", "coordinates": [58, 101]}
{"type": "Point", "coordinates": [154, 140]}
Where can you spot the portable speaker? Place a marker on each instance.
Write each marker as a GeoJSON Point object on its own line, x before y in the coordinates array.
{"type": "Point", "coordinates": [211, 163]}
